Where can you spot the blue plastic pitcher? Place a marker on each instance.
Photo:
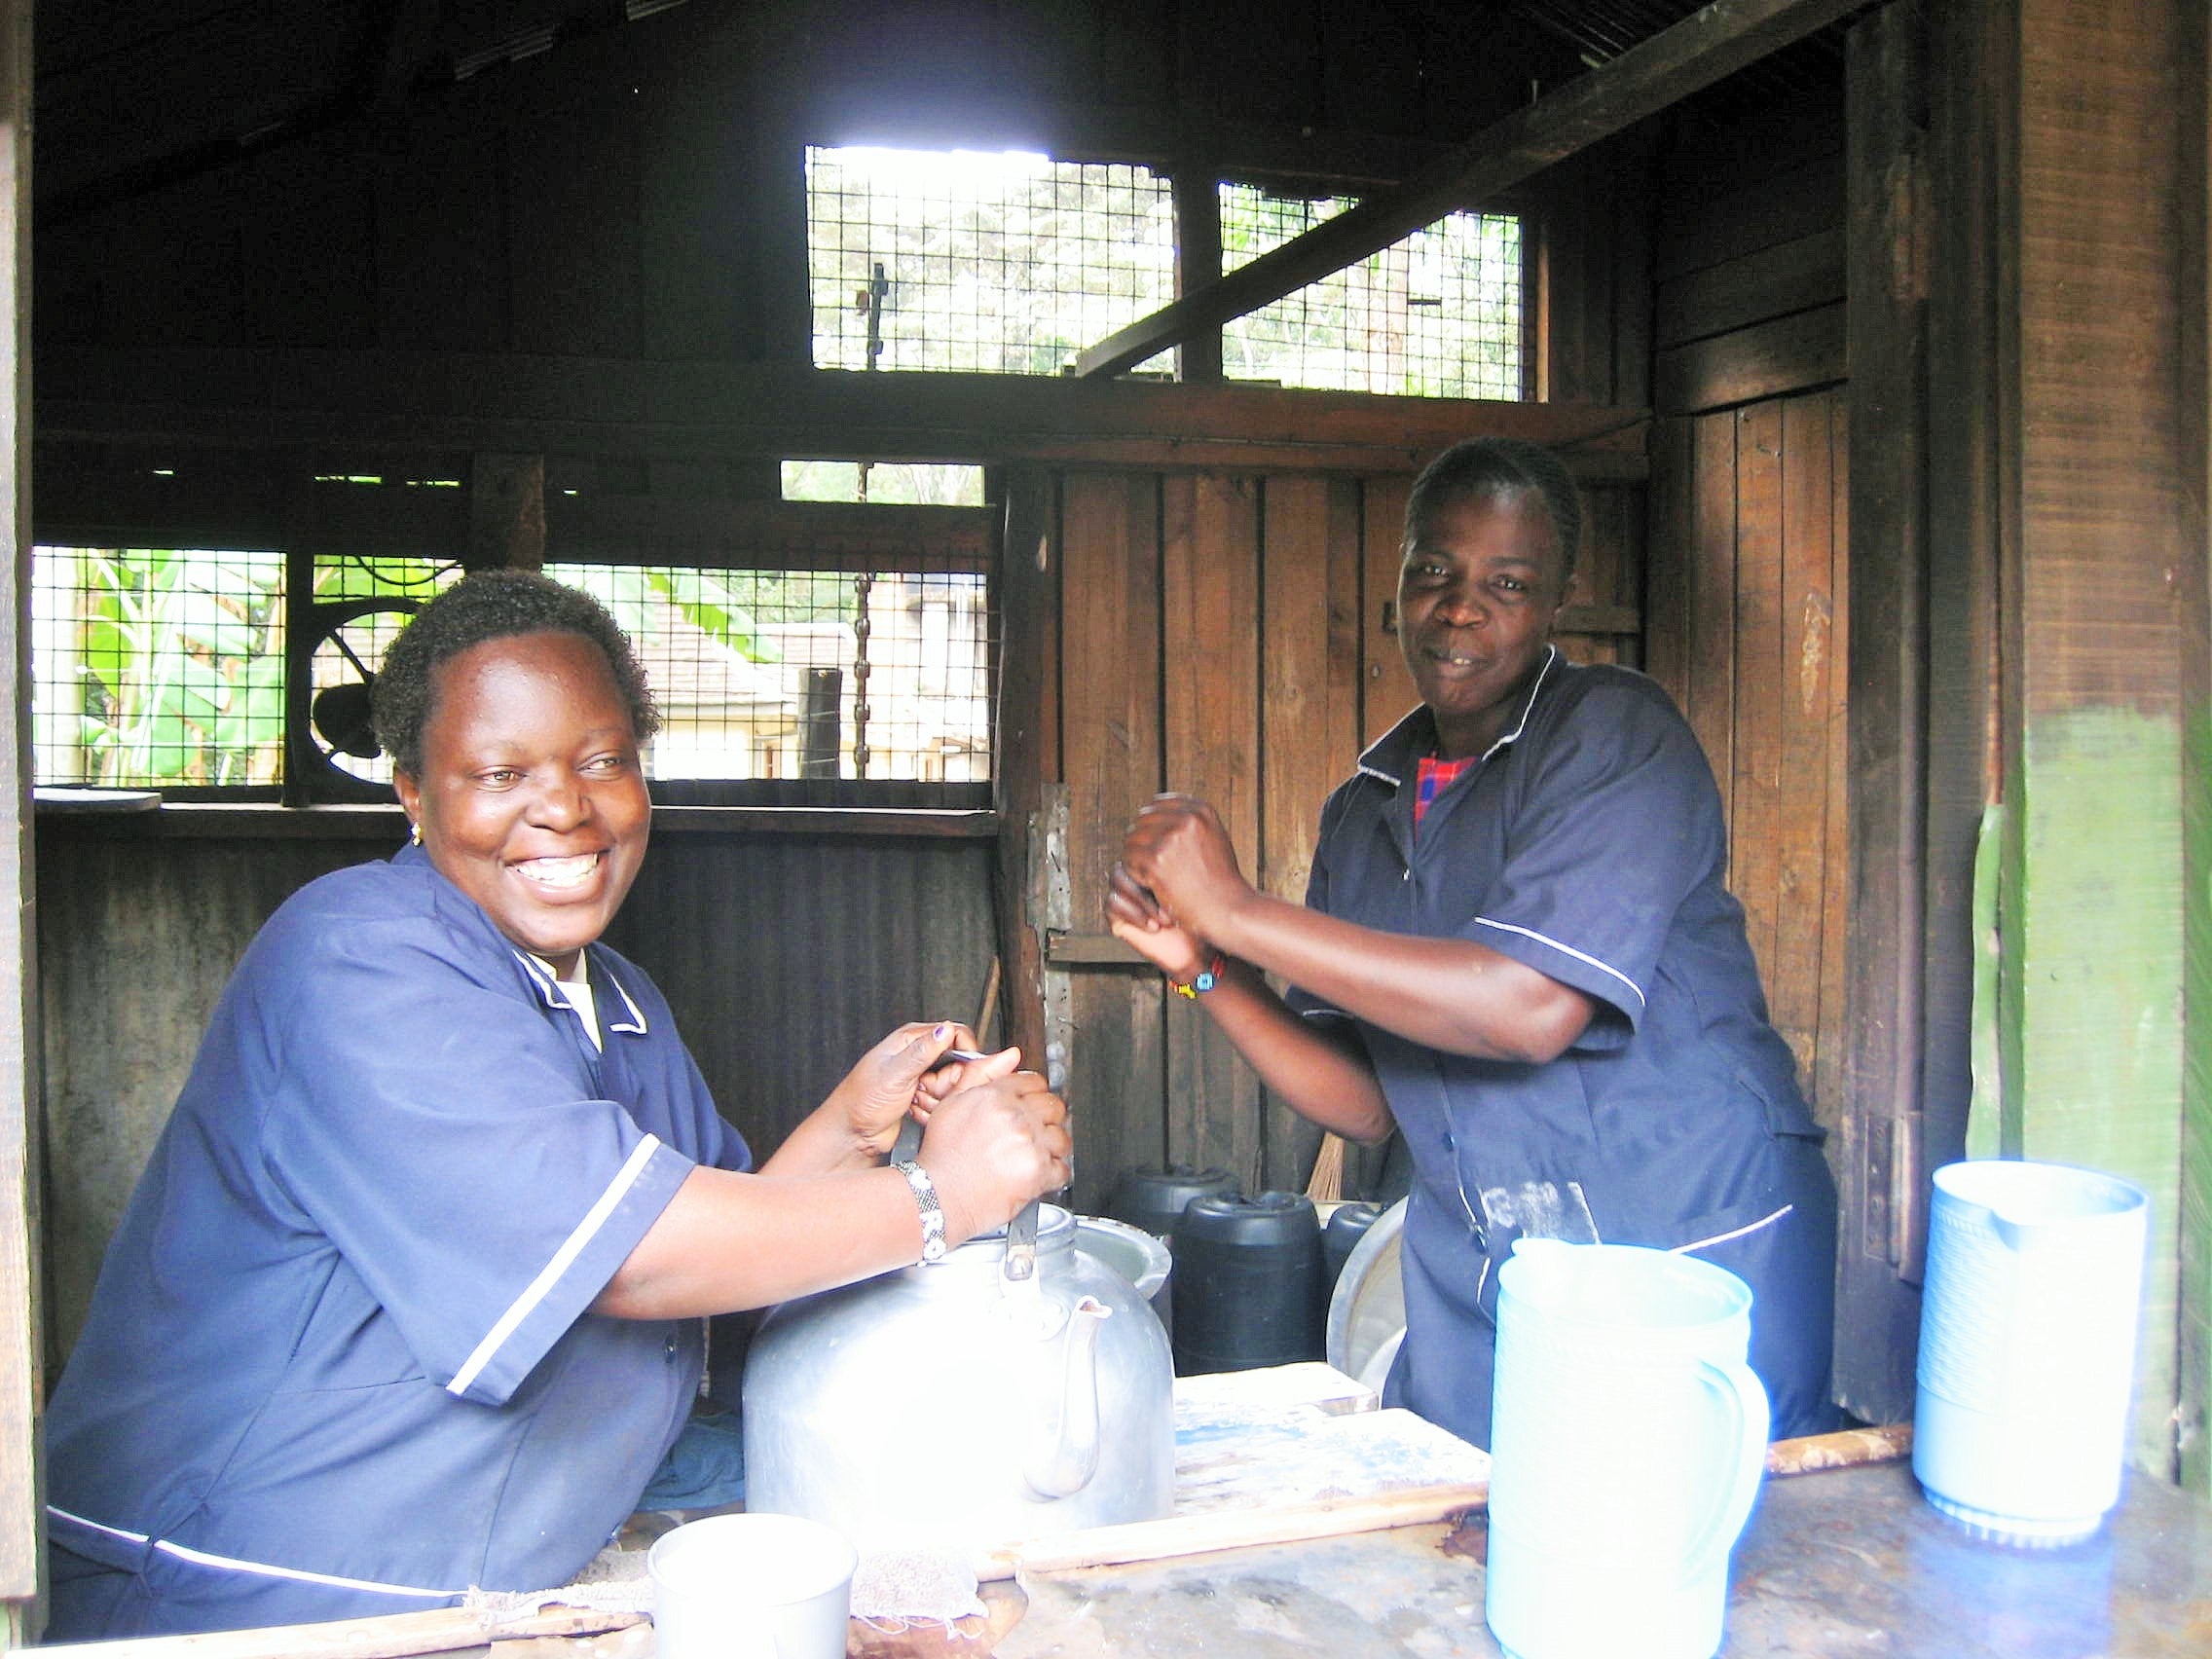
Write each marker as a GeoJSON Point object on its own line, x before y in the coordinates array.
{"type": "Point", "coordinates": [1628, 1440]}
{"type": "Point", "coordinates": [2027, 1347]}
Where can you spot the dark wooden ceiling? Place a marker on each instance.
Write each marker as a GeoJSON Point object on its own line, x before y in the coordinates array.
{"type": "Point", "coordinates": [132, 96]}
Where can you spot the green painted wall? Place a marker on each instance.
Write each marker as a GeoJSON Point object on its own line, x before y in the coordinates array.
{"type": "Point", "coordinates": [2090, 993]}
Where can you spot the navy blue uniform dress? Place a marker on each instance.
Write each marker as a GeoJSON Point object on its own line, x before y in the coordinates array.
{"type": "Point", "coordinates": [338, 1360]}
{"type": "Point", "coordinates": [1588, 845]}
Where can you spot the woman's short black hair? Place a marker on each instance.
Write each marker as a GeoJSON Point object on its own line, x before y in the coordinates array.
{"type": "Point", "coordinates": [1500, 466]}
{"type": "Point", "coordinates": [493, 604]}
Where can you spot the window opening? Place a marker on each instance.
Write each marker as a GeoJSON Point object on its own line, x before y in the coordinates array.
{"type": "Point", "coordinates": [995, 263]}
{"type": "Point", "coordinates": [156, 667]}
{"type": "Point", "coordinates": [1437, 315]}
{"type": "Point", "coordinates": [921, 484]}
{"type": "Point", "coordinates": [869, 675]}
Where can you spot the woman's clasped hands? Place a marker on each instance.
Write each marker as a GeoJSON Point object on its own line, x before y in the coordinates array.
{"type": "Point", "coordinates": [994, 1136]}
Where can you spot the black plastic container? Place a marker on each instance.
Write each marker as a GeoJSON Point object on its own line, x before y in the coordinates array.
{"type": "Point", "coordinates": [1341, 1235]}
{"type": "Point", "coordinates": [1155, 1198]}
{"type": "Point", "coordinates": [1249, 1284]}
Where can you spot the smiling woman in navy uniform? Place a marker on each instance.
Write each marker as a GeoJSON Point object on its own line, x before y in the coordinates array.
{"type": "Point", "coordinates": [1516, 950]}
{"type": "Point", "coordinates": [408, 1299]}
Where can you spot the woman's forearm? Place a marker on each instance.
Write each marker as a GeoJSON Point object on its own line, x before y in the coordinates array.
{"type": "Point", "coordinates": [1322, 1076]}
{"type": "Point", "coordinates": [1445, 993]}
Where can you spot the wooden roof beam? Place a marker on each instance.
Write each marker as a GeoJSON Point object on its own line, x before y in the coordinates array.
{"type": "Point", "coordinates": [1706, 46]}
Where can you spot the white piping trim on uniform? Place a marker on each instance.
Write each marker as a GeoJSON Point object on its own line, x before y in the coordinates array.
{"type": "Point", "coordinates": [1723, 1237]}
{"type": "Point", "coordinates": [637, 1023]}
{"type": "Point", "coordinates": [1566, 949]}
{"type": "Point", "coordinates": [543, 976]}
{"type": "Point", "coordinates": [231, 1563]}
{"type": "Point", "coordinates": [1551, 655]}
{"type": "Point", "coordinates": [571, 1248]}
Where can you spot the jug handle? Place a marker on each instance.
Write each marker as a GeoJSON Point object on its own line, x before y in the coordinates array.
{"type": "Point", "coordinates": [1743, 1397]}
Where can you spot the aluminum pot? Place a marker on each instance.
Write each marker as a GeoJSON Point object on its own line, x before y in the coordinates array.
{"type": "Point", "coordinates": [955, 1406]}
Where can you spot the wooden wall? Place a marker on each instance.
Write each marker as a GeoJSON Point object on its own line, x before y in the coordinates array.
{"type": "Point", "coordinates": [1746, 623]}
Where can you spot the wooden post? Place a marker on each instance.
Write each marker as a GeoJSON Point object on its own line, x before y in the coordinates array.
{"type": "Point", "coordinates": [2099, 421]}
{"type": "Point", "coordinates": [1877, 1308]}
{"type": "Point", "coordinates": [21, 1386]}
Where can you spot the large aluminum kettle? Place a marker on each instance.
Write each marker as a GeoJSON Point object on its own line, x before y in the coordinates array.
{"type": "Point", "coordinates": [1007, 1391]}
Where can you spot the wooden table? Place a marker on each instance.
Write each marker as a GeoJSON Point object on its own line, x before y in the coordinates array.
{"type": "Point", "coordinates": [1847, 1561]}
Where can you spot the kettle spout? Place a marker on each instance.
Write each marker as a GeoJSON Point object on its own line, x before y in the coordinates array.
{"type": "Point", "coordinates": [1063, 1454]}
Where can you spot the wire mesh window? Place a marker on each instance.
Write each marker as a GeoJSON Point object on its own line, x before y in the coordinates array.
{"type": "Point", "coordinates": [1438, 315]}
{"type": "Point", "coordinates": [156, 667]}
{"type": "Point", "coordinates": [1003, 264]}
{"type": "Point", "coordinates": [864, 674]}
{"type": "Point", "coordinates": [165, 669]}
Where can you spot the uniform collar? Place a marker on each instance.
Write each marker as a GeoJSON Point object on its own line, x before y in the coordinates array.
{"type": "Point", "coordinates": [1392, 758]}
{"type": "Point", "coordinates": [633, 1023]}
{"type": "Point", "coordinates": [597, 974]}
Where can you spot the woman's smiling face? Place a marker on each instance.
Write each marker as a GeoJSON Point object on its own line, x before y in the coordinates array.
{"type": "Point", "coordinates": [531, 797]}
{"type": "Point", "coordinates": [1483, 577]}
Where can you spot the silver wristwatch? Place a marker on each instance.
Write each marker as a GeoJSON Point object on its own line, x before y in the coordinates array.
{"type": "Point", "coordinates": [925, 1197]}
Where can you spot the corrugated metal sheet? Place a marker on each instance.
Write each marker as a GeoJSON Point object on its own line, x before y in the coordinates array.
{"type": "Point", "coordinates": [786, 958]}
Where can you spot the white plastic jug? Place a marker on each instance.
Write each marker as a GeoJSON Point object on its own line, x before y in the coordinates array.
{"type": "Point", "coordinates": [1628, 1440]}
{"type": "Point", "coordinates": [2027, 1347]}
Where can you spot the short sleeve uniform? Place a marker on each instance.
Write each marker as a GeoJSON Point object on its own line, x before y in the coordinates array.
{"type": "Point", "coordinates": [1587, 844]}
{"type": "Point", "coordinates": [340, 1359]}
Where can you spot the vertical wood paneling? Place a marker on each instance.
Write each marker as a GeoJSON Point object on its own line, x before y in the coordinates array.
{"type": "Point", "coordinates": [1109, 736]}
{"type": "Point", "coordinates": [1754, 808]}
{"type": "Point", "coordinates": [1211, 586]}
{"type": "Point", "coordinates": [1385, 689]}
{"type": "Point", "coordinates": [1668, 561]}
{"type": "Point", "coordinates": [1308, 718]}
{"type": "Point", "coordinates": [1710, 703]}
{"type": "Point", "coordinates": [1803, 695]}
{"type": "Point", "coordinates": [1831, 1093]}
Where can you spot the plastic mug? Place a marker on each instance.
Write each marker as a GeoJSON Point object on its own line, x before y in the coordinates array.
{"type": "Point", "coordinates": [2027, 1347]}
{"type": "Point", "coordinates": [1628, 1440]}
{"type": "Point", "coordinates": [751, 1587]}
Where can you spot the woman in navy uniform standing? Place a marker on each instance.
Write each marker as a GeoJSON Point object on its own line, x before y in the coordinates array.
{"type": "Point", "coordinates": [409, 1299]}
{"type": "Point", "coordinates": [1516, 950]}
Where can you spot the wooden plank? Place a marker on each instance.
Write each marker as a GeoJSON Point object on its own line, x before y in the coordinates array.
{"type": "Point", "coordinates": [1309, 724]}
{"type": "Point", "coordinates": [1829, 1085]}
{"type": "Point", "coordinates": [1669, 557]}
{"type": "Point", "coordinates": [464, 401]}
{"type": "Point", "coordinates": [1775, 282]}
{"type": "Point", "coordinates": [1768, 359]}
{"type": "Point", "coordinates": [1711, 680]}
{"type": "Point", "coordinates": [22, 1389]}
{"type": "Point", "coordinates": [1713, 42]}
{"type": "Point", "coordinates": [1877, 1312]}
{"type": "Point", "coordinates": [1802, 202]}
{"type": "Point", "coordinates": [1110, 749]}
{"type": "Point", "coordinates": [1755, 808]}
{"type": "Point", "coordinates": [1386, 688]}
{"type": "Point", "coordinates": [2093, 748]}
{"type": "Point", "coordinates": [1807, 619]}
{"type": "Point", "coordinates": [1025, 744]}
{"type": "Point", "coordinates": [1210, 588]}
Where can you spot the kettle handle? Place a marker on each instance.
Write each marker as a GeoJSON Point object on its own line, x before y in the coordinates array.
{"type": "Point", "coordinates": [1743, 1398]}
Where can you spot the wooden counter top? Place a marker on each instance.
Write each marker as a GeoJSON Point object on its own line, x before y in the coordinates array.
{"type": "Point", "coordinates": [1845, 1562]}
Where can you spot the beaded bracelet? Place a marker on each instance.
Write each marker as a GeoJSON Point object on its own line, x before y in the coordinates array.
{"type": "Point", "coordinates": [1208, 979]}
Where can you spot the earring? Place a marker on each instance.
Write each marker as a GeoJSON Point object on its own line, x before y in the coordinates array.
{"type": "Point", "coordinates": [414, 833]}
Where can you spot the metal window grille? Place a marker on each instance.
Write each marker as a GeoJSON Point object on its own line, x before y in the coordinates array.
{"type": "Point", "coordinates": [1438, 315]}
{"type": "Point", "coordinates": [1003, 264]}
{"type": "Point", "coordinates": [877, 675]}
{"type": "Point", "coordinates": [156, 667]}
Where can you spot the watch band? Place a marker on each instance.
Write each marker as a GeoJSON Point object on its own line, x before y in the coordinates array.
{"type": "Point", "coordinates": [925, 1199]}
